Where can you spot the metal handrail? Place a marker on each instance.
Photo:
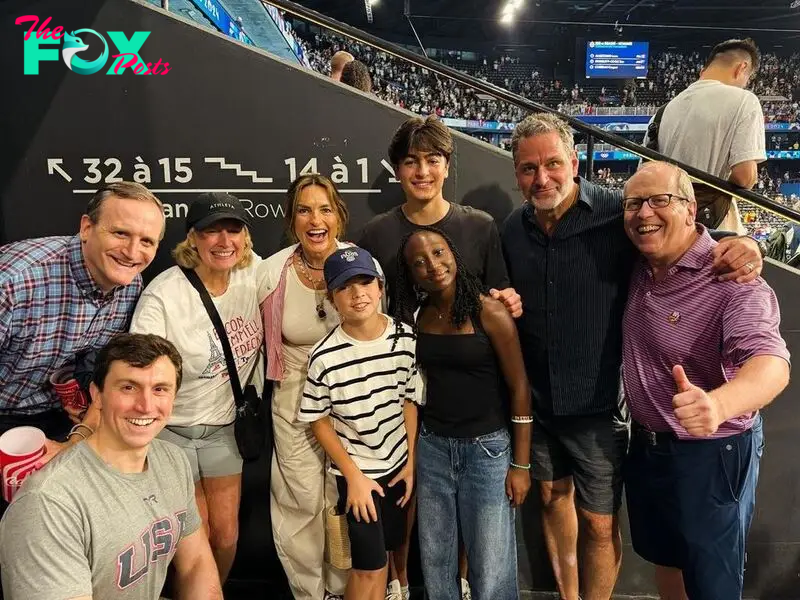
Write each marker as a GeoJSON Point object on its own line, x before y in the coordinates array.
{"type": "Point", "coordinates": [499, 93]}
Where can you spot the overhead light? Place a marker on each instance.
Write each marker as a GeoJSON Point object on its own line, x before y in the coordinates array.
{"type": "Point", "coordinates": [368, 9]}
{"type": "Point", "coordinates": [509, 12]}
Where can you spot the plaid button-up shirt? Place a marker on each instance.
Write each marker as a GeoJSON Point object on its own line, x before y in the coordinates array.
{"type": "Point", "coordinates": [51, 308]}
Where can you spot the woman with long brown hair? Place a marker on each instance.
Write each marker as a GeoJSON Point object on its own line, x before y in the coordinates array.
{"type": "Point", "coordinates": [297, 315]}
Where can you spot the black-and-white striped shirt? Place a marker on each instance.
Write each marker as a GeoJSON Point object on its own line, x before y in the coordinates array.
{"type": "Point", "coordinates": [363, 387]}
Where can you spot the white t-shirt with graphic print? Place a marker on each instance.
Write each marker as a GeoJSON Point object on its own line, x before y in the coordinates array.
{"type": "Point", "coordinates": [171, 307]}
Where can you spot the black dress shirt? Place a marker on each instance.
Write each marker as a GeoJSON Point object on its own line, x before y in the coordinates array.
{"type": "Point", "coordinates": [574, 285]}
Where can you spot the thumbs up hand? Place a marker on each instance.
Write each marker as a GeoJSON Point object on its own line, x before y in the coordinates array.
{"type": "Point", "coordinates": [696, 411]}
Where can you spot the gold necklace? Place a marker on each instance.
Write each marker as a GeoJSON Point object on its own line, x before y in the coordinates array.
{"type": "Point", "coordinates": [315, 283]}
{"type": "Point", "coordinates": [439, 314]}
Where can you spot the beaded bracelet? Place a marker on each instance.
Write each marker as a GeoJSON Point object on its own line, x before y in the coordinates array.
{"type": "Point", "coordinates": [71, 433]}
{"type": "Point", "coordinates": [76, 431]}
{"type": "Point", "coordinates": [522, 420]}
{"type": "Point", "coordinates": [74, 427]}
{"type": "Point", "coordinates": [526, 467]}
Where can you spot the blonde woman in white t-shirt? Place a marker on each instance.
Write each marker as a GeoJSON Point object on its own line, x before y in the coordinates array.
{"type": "Point", "coordinates": [297, 315]}
{"type": "Point", "coordinates": [219, 249]}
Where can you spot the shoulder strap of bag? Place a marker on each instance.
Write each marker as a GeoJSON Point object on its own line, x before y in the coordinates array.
{"type": "Point", "coordinates": [652, 129]}
{"type": "Point", "coordinates": [233, 373]}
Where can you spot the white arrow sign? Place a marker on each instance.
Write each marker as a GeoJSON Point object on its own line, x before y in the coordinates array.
{"type": "Point", "coordinates": [53, 167]}
{"type": "Point", "coordinates": [388, 167]}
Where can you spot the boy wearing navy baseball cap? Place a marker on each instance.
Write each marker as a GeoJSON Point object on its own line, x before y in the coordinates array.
{"type": "Point", "coordinates": [361, 398]}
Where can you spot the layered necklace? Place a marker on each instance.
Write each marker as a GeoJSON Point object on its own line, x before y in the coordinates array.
{"type": "Point", "coordinates": [317, 284]}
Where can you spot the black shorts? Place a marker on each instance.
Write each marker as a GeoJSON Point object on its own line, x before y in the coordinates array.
{"type": "Point", "coordinates": [591, 449]}
{"type": "Point", "coordinates": [369, 542]}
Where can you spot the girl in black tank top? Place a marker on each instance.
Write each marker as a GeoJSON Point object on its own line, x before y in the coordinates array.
{"type": "Point", "coordinates": [469, 353]}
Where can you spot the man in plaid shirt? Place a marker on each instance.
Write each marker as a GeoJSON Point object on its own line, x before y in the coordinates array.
{"type": "Point", "coordinates": [60, 295]}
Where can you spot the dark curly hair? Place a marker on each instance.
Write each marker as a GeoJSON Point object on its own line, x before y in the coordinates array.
{"type": "Point", "coordinates": [136, 350]}
{"type": "Point", "coordinates": [469, 288]}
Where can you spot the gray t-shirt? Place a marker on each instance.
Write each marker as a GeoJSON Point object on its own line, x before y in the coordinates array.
{"type": "Point", "coordinates": [714, 127]}
{"type": "Point", "coordinates": [79, 527]}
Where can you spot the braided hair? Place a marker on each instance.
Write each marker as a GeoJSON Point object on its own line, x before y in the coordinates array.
{"type": "Point", "coordinates": [467, 304]}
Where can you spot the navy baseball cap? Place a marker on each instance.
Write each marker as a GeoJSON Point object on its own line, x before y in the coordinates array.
{"type": "Point", "coordinates": [211, 207]}
{"type": "Point", "coordinates": [346, 263]}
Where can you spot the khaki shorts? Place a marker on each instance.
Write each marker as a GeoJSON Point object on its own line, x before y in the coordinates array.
{"type": "Point", "coordinates": [211, 449]}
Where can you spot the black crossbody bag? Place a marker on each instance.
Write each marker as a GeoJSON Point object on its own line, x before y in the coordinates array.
{"type": "Point", "coordinates": [249, 427]}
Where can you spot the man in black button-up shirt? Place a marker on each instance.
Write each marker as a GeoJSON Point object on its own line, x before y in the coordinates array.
{"type": "Point", "coordinates": [570, 260]}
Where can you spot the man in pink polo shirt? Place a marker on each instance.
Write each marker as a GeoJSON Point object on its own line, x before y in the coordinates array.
{"type": "Point", "coordinates": [700, 358]}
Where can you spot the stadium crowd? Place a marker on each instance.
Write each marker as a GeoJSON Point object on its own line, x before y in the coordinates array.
{"type": "Point", "coordinates": [422, 92]}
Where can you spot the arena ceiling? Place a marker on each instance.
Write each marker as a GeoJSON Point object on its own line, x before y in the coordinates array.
{"type": "Point", "coordinates": [770, 22]}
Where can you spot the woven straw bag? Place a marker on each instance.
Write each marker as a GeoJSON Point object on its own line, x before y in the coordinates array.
{"type": "Point", "coordinates": [337, 540]}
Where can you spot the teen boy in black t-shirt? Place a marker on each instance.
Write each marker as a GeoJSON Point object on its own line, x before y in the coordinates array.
{"type": "Point", "coordinates": [420, 154]}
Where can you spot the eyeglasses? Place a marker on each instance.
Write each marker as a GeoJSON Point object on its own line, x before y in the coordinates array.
{"type": "Point", "coordinates": [655, 201]}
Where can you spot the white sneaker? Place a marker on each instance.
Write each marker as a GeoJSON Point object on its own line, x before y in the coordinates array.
{"type": "Point", "coordinates": [394, 591]}
{"type": "Point", "coordinates": [466, 593]}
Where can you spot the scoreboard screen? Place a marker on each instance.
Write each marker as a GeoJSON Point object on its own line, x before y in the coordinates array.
{"type": "Point", "coordinates": [616, 60]}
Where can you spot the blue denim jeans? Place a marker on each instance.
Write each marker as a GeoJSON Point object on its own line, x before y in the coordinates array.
{"type": "Point", "coordinates": [461, 482]}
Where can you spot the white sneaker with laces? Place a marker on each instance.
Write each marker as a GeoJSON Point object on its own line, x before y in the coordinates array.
{"type": "Point", "coordinates": [394, 591]}
{"type": "Point", "coordinates": [466, 593]}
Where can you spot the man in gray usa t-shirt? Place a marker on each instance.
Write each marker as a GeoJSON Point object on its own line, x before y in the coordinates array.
{"type": "Point", "coordinates": [105, 518]}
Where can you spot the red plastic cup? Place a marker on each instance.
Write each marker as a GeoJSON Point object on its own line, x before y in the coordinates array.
{"type": "Point", "coordinates": [68, 389]}
{"type": "Point", "coordinates": [20, 451]}
{"type": "Point", "coordinates": [14, 476]}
